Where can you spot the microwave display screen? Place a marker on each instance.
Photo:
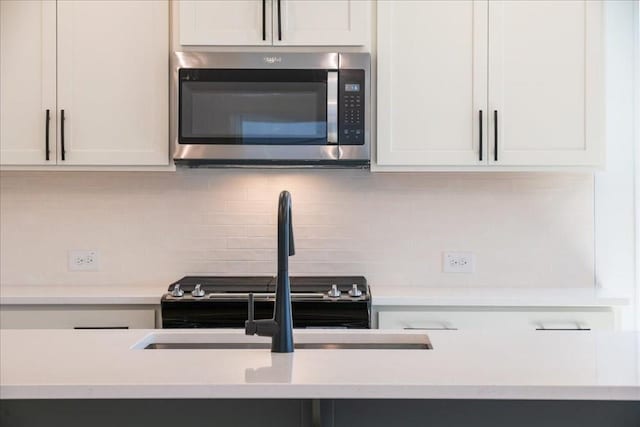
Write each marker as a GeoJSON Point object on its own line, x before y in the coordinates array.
{"type": "Point", "coordinates": [352, 87]}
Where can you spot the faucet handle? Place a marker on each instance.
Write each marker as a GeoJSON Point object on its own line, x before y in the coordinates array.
{"type": "Point", "coordinates": [262, 327]}
{"type": "Point", "coordinates": [251, 307]}
{"type": "Point", "coordinates": [250, 327]}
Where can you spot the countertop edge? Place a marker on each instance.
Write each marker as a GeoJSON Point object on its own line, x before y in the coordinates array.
{"type": "Point", "coordinates": [80, 295]}
{"type": "Point", "coordinates": [405, 296]}
{"type": "Point", "coordinates": [497, 302]}
{"type": "Point", "coordinates": [80, 300]}
{"type": "Point", "coordinates": [321, 391]}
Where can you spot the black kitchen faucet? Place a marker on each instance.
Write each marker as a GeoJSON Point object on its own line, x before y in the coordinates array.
{"type": "Point", "coordinates": [280, 327]}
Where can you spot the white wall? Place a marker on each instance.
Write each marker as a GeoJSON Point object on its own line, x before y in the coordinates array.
{"type": "Point", "coordinates": [615, 187]}
{"type": "Point", "coordinates": [150, 228]}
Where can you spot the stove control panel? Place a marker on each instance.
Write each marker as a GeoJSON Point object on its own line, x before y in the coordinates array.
{"type": "Point", "coordinates": [192, 289]}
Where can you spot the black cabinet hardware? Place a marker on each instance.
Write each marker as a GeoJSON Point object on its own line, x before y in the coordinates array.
{"type": "Point", "coordinates": [480, 126]}
{"type": "Point", "coordinates": [100, 327]}
{"type": "Point", "coordinates": [279, 22]}
{"type": "Point", "coordinates": [46, 135]}
{"type": "Point", "coordinates": [62, 150]}
{"type": "Point", "coordinates": [495, 135]}
{"type": "Point", "coordinates": [264, 20]}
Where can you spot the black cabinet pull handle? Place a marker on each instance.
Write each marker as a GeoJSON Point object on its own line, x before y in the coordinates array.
{"type": "Point", "coordinates": [480, 126]}
{"type": "Point", "coordinates": [46, 135]}
{"type": "Point", "coordinates": [62, 150]}
{"type": "Point", "coordinates": [99, 327]}
{"type": "Point", "coordinates": [495, 135]}
{"type": "Point", "coordinates": [264, 20]}
{"type": "Point", "coordinates": [279, 22]}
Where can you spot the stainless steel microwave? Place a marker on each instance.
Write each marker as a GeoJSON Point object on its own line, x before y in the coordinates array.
{"type": "Point", "coordinates": [271, 109]}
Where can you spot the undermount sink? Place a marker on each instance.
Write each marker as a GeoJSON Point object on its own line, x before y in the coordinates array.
{"type": "Point", "coordinates": [311, 340]}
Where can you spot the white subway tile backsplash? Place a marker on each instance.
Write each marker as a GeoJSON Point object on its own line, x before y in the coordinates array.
{"type": "Point", "coordinates": [526, 229]}
{"type": "Point", "coordinates": [249, 243]}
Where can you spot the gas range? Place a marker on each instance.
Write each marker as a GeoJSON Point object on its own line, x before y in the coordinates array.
{"type": "Point", "coordinates": [222, 301]}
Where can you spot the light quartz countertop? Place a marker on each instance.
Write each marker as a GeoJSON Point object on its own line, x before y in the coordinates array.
{"type": "Point", "coordinates": [381, 296]}
{"type": "Point", "coordinates": [90, 295]}
{"type": "Point", "coordinates": [504, 297]}
{"type": "Point", "coordinates": [104, 364]}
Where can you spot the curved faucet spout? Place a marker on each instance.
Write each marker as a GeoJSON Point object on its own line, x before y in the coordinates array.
{"type": "Point", "coordinates": [283, 341]}
{"type": "Point", "coordinates": [280, 327]}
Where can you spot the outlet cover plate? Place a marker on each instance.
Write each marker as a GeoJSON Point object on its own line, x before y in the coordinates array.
{"type": "Point", "coordinates": [458, 262]}
{"type": "Point", "coordinates": [84, 260]}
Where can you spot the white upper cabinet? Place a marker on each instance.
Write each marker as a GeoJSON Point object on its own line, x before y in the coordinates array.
{"type": "Point", "coordinates": [432, 82]}
{"type": "Point", "coordinates": [320, 22]}
{"type": "Point", "coordinates": [274, 22]}
{"type": "Point", "coordinates": [100, 65]}
{"type": "Point", "coordinates": [227, 22]}
{"type": "Point", "coordinates": [546, 82]}
{"type": "Point", "coordinates": [534, 69]}
{"type": "Point", "coordinates": [113, 82]}
{"type": "Point", "coordinates": [27, 82]}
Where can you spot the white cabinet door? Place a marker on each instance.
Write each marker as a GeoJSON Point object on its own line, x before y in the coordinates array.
{"type": "Point", "coordinates": [225, 22]}
{"type": "Point", "coordinates": [320, 22]}
{"type": "Point", "coordinates": [27, 82]}
{"type": "Point", "coordinates": [113, 82]}
{"type": "Point", "coordinates": [432, 82]}
{"type": "Point", "coordinates": [546, 82]}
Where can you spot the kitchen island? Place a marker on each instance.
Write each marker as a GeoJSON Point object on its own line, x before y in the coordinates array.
{"type": "Point", "coordinates": [574, 370]}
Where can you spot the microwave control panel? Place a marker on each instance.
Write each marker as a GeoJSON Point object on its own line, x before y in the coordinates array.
{"type": "Point", "coordinates": [351, 107]}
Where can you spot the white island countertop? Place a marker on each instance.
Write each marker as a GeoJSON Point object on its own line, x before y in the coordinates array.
{"type": "Point", "coordinates": [68, 364]}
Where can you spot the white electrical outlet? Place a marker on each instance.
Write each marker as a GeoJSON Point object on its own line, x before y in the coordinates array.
{"type": "Point", "coordinates": [84, 260]}
{"type": "Point", "coordinates": [458, 262]}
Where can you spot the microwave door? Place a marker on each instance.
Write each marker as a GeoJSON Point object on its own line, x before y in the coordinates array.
{"type": "Point", "coordinates": [252, 115]}
{"type": "Point", "coordinates": [247, 108]}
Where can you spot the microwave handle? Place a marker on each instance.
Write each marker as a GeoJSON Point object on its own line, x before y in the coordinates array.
{"type": "Point", "coordinates": [332, 107]}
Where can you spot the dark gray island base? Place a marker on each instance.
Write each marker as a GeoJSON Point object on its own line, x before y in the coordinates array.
{"type": "Point", "coordinates": [311, 413]}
